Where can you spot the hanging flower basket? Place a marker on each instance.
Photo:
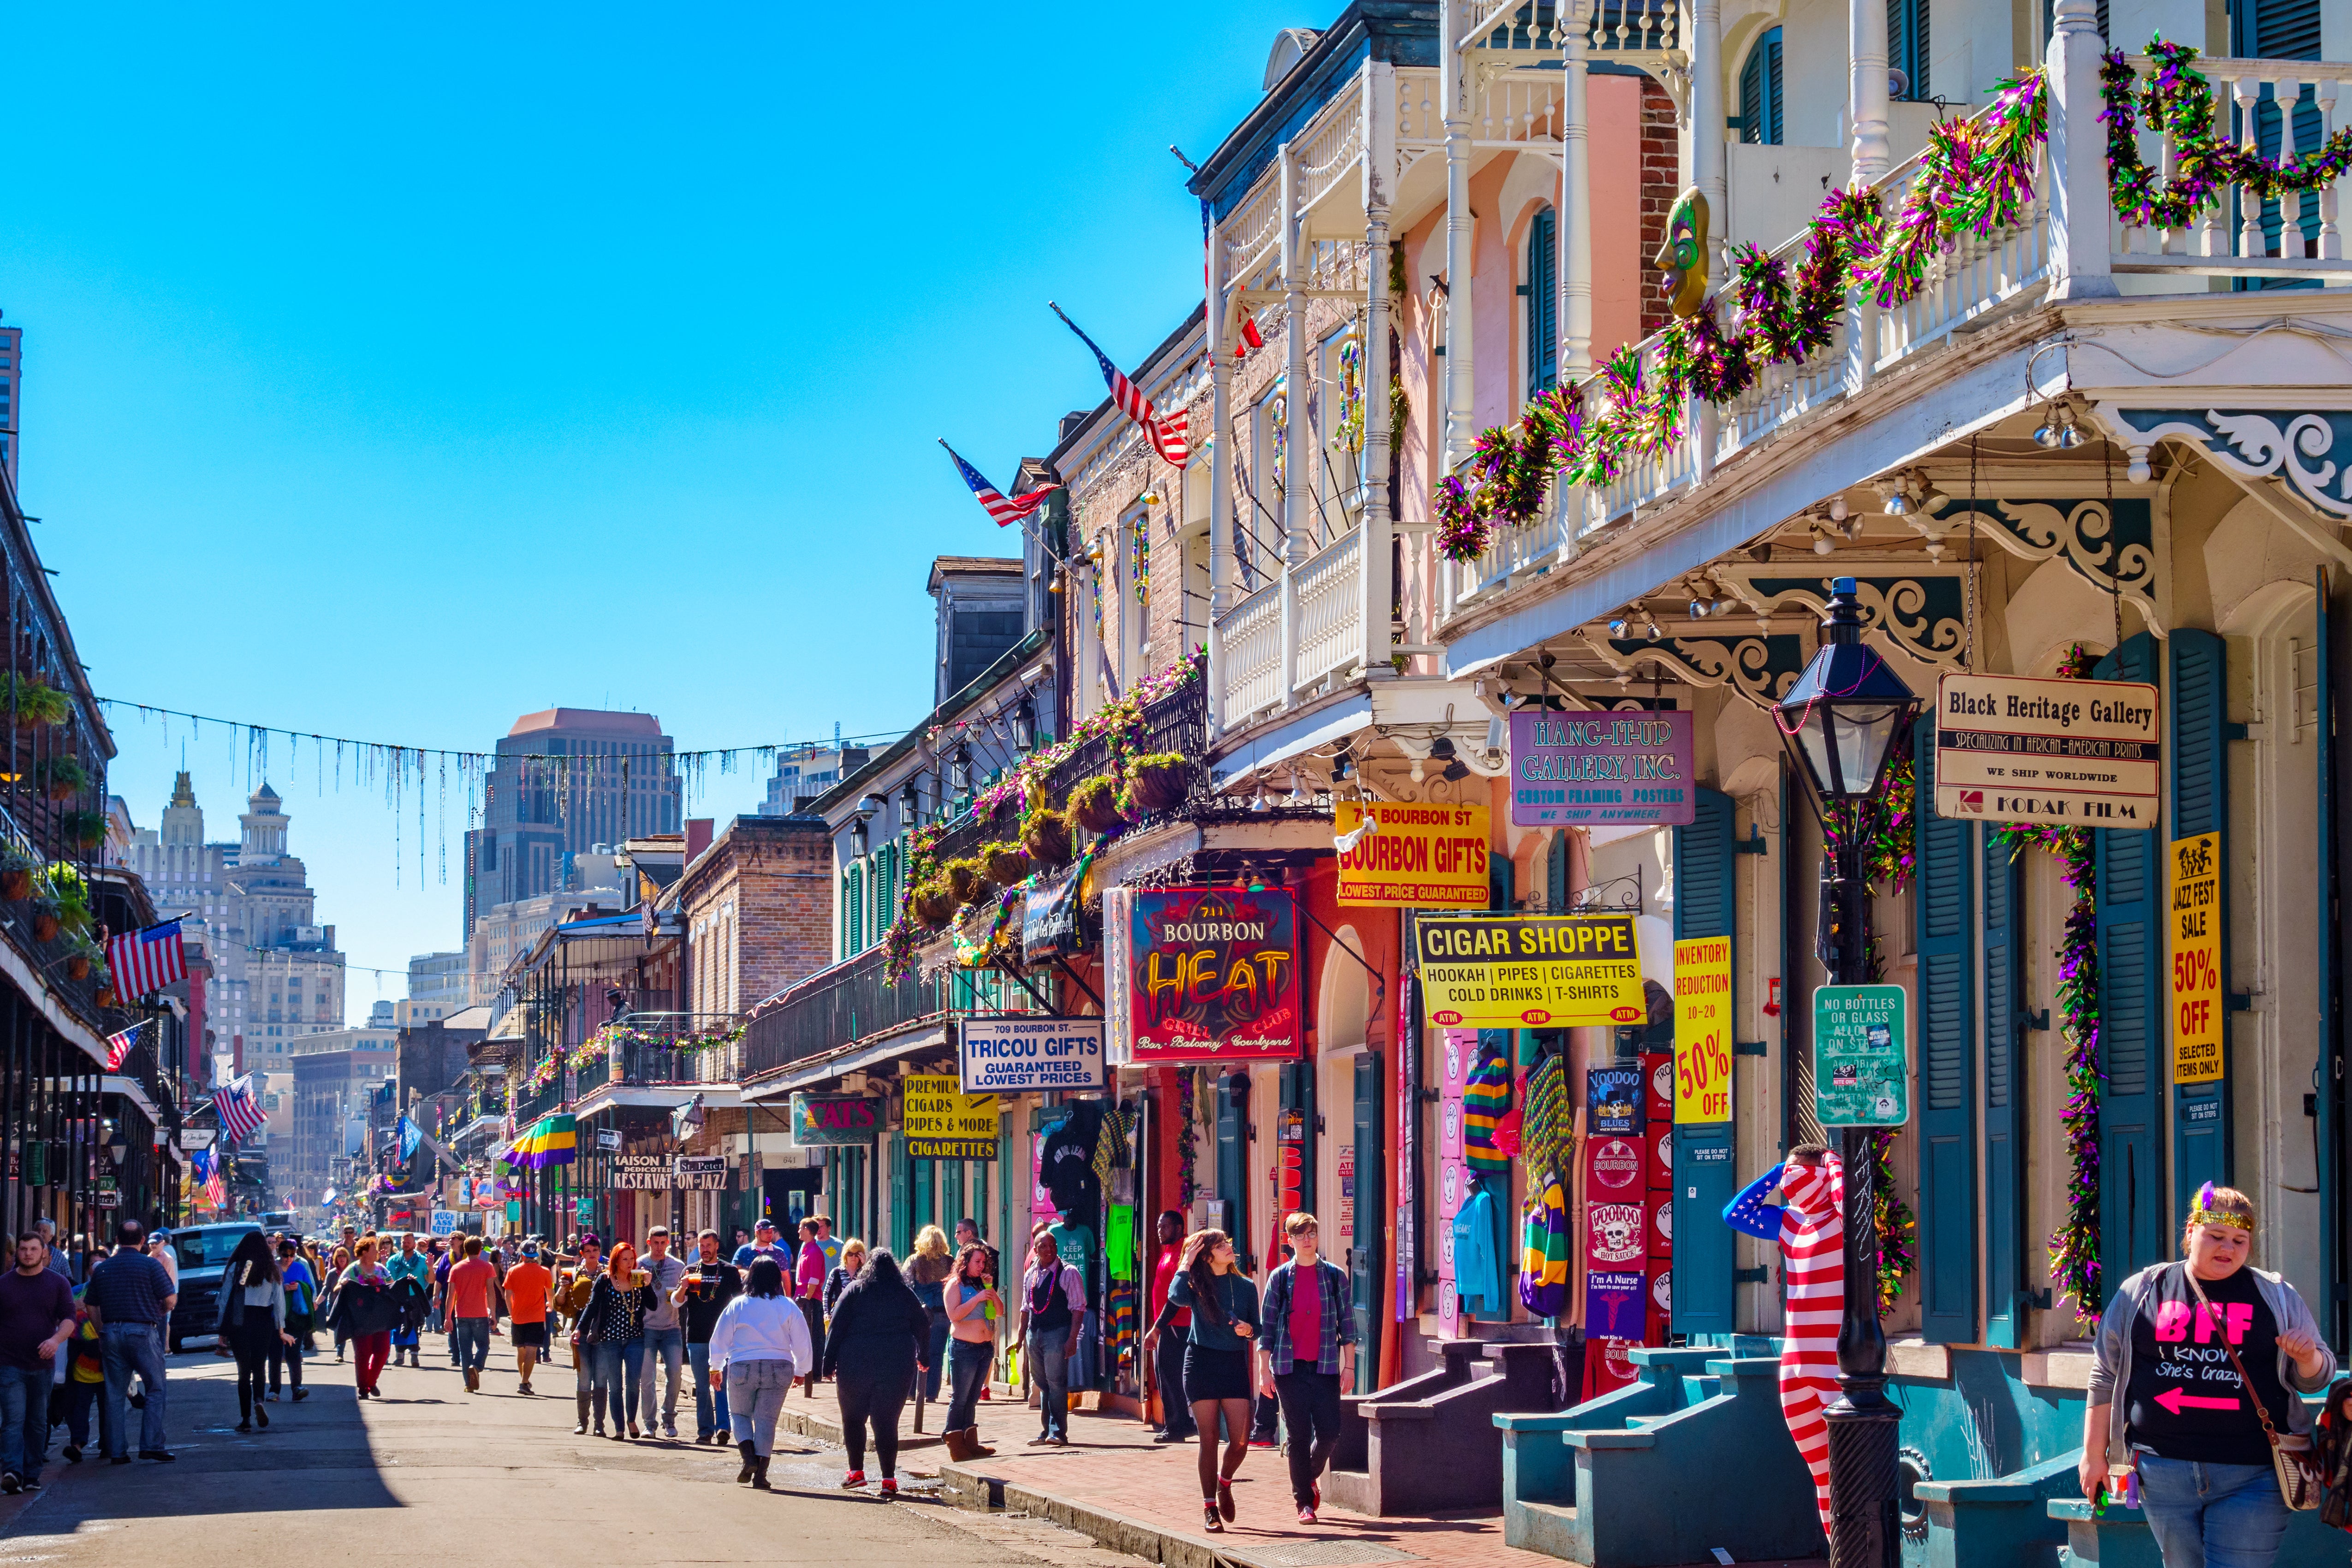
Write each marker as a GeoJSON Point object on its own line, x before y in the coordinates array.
{"type": "Point", "coordinates": [1006, 863]}
{"type": "Point", "coordinates": [62, 778]}
{"type": "Point", "coordinates": [1159, 780]}
{"type": "Point", "coordinates": [1095, 804]}
{"type": "Point", "coordinates": [935, 905]}
{"type": "Point", "coordinates": [45, 925]}
{"type": "Point", "coordinates": [107, 998]}
{"type": "Point", "coordinates": [78, 966]}
{"type": "Point", "coordinates": [17, 883]}
{"type": "Point", "coordinates": [1047, 837]}
{"type": "Point", "coordinates": [37, 704]}
{"type": "Point", "coordinates": [964, 880]}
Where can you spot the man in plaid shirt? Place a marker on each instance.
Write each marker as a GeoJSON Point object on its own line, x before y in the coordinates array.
{"type": "Point", "coordinates": [1307, 1353]}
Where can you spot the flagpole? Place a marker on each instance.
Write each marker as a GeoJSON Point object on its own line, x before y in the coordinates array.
{"type": "Point", "coordinates": [1025, 522]}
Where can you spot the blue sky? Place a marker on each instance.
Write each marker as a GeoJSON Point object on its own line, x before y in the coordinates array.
{"type": "Point", "coordinates": [390, 371]}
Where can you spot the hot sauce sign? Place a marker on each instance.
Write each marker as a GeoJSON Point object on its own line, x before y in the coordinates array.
{"type": "Point", "coordinates": [1214, 973]}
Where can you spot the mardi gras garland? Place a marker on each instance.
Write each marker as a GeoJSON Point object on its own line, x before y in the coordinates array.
{"type": "Point", "coordinates": [2179, 102]}
{"type": "Point", "coordinates": [1888, 861]}
{"type": "Point", "coordinates": [1975, 176]}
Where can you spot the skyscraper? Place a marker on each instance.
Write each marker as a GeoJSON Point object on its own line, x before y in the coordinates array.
{"type": "Point", "coordinates": [12, 359]}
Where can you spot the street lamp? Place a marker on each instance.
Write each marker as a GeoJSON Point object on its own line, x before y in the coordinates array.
{"type": "Point", "coordinates": [1840, 723]}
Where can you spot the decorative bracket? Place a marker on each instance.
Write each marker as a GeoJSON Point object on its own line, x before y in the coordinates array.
{"type": "Point", "coordinates": [1761, 668]}
{"type": "Point", "coordinates": [2113, 552]}
{"type": "Point", "coordinates": [1924, 612]}
{"type": "Point", "coordinates": [2312, 451]}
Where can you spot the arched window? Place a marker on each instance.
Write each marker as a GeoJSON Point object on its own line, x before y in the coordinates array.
{"type": "Point", "coordinates": [1759, 91]}
{"type": "Point", "coordinates": [1542, 289]}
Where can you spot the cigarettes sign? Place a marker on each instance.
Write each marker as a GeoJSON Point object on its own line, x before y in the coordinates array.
{"type": "Point", "coordinates": [2070, 752]}
{"type": "Point", "coordinates": [2195, 904]}
{"type": "Point", "coordinates": [942, 1122]}
{"type": "Point", "coordinates": [1530, 972]}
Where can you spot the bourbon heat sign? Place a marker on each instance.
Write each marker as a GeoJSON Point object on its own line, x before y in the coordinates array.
{"type": "Point", "coordinates": [1213, 975]}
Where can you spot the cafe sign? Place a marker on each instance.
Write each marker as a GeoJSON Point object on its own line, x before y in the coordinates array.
{"type": "Point", "coordinates": [1213, 973]}
{"type": "Point", "coordinates": [836, 1119]}
{"type": "Point", "coordinates": [2069, 753]}
{"type": "Point", "coordinates": [1602, 769]}
{"type": "Point", "coordinates": [1482, 971]}
{"type": "Point", "coordinates": [1403, 854]}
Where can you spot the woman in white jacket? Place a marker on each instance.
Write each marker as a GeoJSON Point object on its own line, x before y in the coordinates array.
{"type": "Point", "coordinates": [759, 1344]}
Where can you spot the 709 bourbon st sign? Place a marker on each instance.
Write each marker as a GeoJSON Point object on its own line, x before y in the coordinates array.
{"type": "Point", "coordinates": [2074, 752]}
{"type": "Point", "coordinates": [1529, 972]}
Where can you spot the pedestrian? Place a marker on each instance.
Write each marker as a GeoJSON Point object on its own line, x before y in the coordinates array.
{"type": "Point", "coordinates": [810, 1273]}
{"type": "Point", "coordinates": [844, 1274]}
{"type": "Point", "coordinates": [825, 1241]}
{"type": "Point", "coordinates": [1223, 1302]}
{"type": "Point", "coordinates": [759, 1342]}
{"type": "Point", "coordinates": [874, 1342]}
{"type": "Point", "coordinates": [36, 1320]}
{"type": "Point", "coordinates": [1168, 1365]}
{"type": "Point", "coordinates": [2207, 1479]}
{"type": "Point", "coordinates": [764, 1244]}
{"type": "Point", "coordinates": [130, 1295]}
{"type": "Point", "coordinates": [702, 1294]}
{"type": "Point", "coordinates": [972, 1309]}
{"type": "Point", "coordinates": [529, 1287]}
{"type": "Point", "coordinates": [574, 1286]}
{"type": "Point", "coordinates": [85, 1386]}
{"type": "Point", "coordinates": [927, 1273]}
{"type": "Point", "coordinates": [1052, 1311]}
{"type": "Point", "coordinates": [445, 1257]}
{"type": "Point", "coordinates": [252, 1321]}
{"type": "Point", "coordinates": [664, 1340]}
{"type": "Point", "coordinates": [470, 1311]}
{"type": "Point", "coordinates": [366, 1311]}
{"type": "Point", "coordinates": [410, 1273]}
{"type": "Point", "coordinates": [301, 1288]}
{"type": "Point", "coordinates": [613, 1325]}
{"type": "Point", "coordinates": [1307, 1354]}
{"type": "Point", "coordinates": [967, 1234]}
{"type": "Point", "coordinates": [327, 1294]}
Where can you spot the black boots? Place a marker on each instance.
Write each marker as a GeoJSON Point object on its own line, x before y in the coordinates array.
{"type": "Point", "coordinates": [752, 1464]}
{"type": "Point", "coordinates": [760, 1474]}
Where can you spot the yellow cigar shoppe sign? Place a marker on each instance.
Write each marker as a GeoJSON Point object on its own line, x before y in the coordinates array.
{"type": "Point", "coordinates": [1507, 971]}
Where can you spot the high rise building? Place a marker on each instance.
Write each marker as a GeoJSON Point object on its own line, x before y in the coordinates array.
{"type": "Point", "coordinates": [12, 359]}
{"type": "Point", "coordinates": [567, 780]}
{"type": "Point", "coordinates": [806, 770]}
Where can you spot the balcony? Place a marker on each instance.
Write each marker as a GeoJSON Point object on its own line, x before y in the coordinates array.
{"type": "Point", "coordinates": [1266, 659]}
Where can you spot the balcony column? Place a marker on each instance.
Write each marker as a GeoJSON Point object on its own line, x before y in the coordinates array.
{"type": "Point", "coordinates": [1707, 168]}
{"type": "Point", "coordinates": [1379, 176]}
{"type": "Point", "coordinates": [1575, 226]}
{"type": "Point", "coordinates": [1453, 108]}
{"type": "Point", "coordinates": [2081, 221]}
{"type": "Point", "coordinates": [1221, 476]}
{"type": "Point", "coordinates": [1295, 457]}
{"type": "Point", "coordinates": [1870, 158]}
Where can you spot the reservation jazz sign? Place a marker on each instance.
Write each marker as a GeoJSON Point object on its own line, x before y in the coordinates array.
{"type": "Point", "coordinates": [2073, 752]}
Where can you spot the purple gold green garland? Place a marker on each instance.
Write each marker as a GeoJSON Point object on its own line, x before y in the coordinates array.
{"type": "Point", "coordinates": [1888, 861]}
{"type": "Point", "coordinates": [2177, 101]}
{"type": "Point", "coordinates": [1188, 1128]}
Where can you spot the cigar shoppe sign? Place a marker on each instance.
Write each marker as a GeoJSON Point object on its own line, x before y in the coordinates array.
{"type": "Point", "coordinates": [1213, 975]}
{"type": "Point", "coordinates": [1529, 972]}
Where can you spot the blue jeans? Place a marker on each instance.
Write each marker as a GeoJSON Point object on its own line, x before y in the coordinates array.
{"type": "Point", "coordinates": [697, 1362]}
{"type": "Point", "coordinates": [1046, 1361]}
{"type": "Point", "coordinates": [129, 1349]}
{"type": "Point", "coordinates": [664, 1345]}
{"type": "Point", "coordinates": [472, 1337]}
{"type": "Point", "coordinates": [24, 1421]}
{"type": "Point", "coordinates": [936, 1360]}
{"type": "Point", "coordinates": [2212, 1516]}
{"type": "Point", "coordinates": [617, 1368]}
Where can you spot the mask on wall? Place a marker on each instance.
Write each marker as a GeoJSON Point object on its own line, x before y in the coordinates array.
{"type": "Point", "coordinates": [1683, 258]}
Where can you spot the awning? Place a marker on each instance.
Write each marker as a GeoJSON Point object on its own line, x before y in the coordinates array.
{"type": "Point", "coordinates": [658, 1096]}
{"type": "Point", "coordinates": [129, 1089]}
{"type": "Point", "coordinates": [853, 1057]}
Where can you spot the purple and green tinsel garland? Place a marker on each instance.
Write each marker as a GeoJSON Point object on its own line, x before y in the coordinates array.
{"type": "Point", "coordinates": [2177, 101]}
{"type": "Point", "coordinates": [1898, 1231]}
{"type": "Point", "coordinates": [1188, 1118]}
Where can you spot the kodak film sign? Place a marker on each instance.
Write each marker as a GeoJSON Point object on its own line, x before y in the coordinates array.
{"type": "Point", "coordinates": [2080, 753]}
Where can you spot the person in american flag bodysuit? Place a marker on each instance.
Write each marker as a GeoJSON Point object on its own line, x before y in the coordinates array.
{"type": "Point", "coordinates": [1811, 1230]}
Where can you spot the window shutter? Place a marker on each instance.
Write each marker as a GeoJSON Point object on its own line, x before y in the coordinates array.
{"type": "Point", "coordinates": [1706, 1254]}
{"type": "Point", "coordinates": [2004, 1145]}
{"type": "Point", "coordinates": [1907, 44]}
{"type": "Point", "coordinates": [2131, 952]}
{"type": "Point", "coordinates": [2201, 804]}
{"type": "Point", "coordinates": [1946, 1031]}
{"type": "Point", "coordinates": [1543, 302]}
{"type": "Point", "coordinates": [1759, 91]}
{"type": "Point", "coordinates": [901, 1201]}
{"type": "Point", "coordinates": [1232, 1164]}
{"type": "Point", "coordinates": [2325, 923]}
{"type": "Point", "coordinates": [1298, 1091]}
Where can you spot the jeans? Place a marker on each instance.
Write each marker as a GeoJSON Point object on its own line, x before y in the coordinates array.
{"type": "Point", "coordinates": [2212, 1516]}
{"type": "Point", "coordinates": [968, 1364]}
{"type": "Point", "coordinates": [1047, 1357]}
{"type": "Point", "coordinates": [1168, 1369]}
{"type": "Point", "coordinates": [664, 1346]}
{"type": "Point", "coordinates": [471, 1336]}
{"type": "Point", "coordinates": [24, 1421]}
{"type": "Point", "coordinates": [698, 1362]}
{"type": "Point", "coordinates": [935, 1358]}
{"type": "Point", "coordinates": [754, 1398]}
{"type": "Point", "coordinates": [1310, 1408]}
{"type": "Point", "coordinates": [81, 1399]}
{"type": "Point", "coordinates": [616, 1369]}
{"type": "Point", "coordinates": [132, 1348]}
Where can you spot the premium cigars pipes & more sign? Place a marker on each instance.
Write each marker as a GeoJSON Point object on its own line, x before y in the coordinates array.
{"type": "Point", "coordinates": [2014, 749]}
{"type": "Point", "coordinates": [1505, 972]}
{"type": "Point", "coordinates": [1213, 973]}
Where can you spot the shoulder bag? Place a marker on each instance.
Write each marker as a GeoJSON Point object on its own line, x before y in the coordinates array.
{"type": "Point", "coordinates": [2291, 1456]}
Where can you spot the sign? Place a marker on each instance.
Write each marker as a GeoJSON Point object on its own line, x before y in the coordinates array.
{"type": "Point", "coordinates": [1014, 1053]}
{"type": "Point", "coordinates": [1508, 972]}
{"type": "Point", "coordinates": [700, 1172]}
{"type": "Point", "coordinates": [1213, 975]}
{"type": "Point", "coordinates": [1614, 1106]}
{"type": "Point", "coordinates": [942, 1122]}
{"type": "Point", "coordinates": [1703, 1030]}
{"type": "Point", "coordinates": [194, 1138]}
{"type": "Point", "coordinates": [107, 1198]}
{"type": "Point", "coordinates": [1861, 1057]}
{"type": "Point", "coordinates": [514, 1211]}
{"type": "Point", "coordinates": [1049, 916]}
{"type": "Point", "coordinates": [2195, 886]}
{"type": "Point", "coordinates": [836, 1119]}
{"type": "Point", "coordinates": [447, 1222]}
{"type": "Point", "coordinates": [1617, 1166]}
{"type": "Point", "coordinates": [2015, 748]}
{"type": "Point", "coordinates": [1614, 1304]}
{"type": "Point", "coordinates": [1569, 768]}
{"type": "Point", "coordinates": [1412, 857]}
{"type": "Point", "coordinates": [608, 1138]}
{"type": "Point", "coordinates": [640, 1174]}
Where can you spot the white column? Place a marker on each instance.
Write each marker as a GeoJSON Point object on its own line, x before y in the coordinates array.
{"type": "Point", "coordinates": [1707, 160]}
{"type": "Point", "coordinates": [2080, 219]}
{"type": "Point", "coordinates": [1221, 472]}
{"type": "Point", "coordinates": [1380, 174]}
{"type": "Point", "coordinates": [1575, 227]}
{"type": "Point", "coordinates": [1866, 89]}
{"type": "Point", "coordinates": [1294, 403]}
{"type": "Point", "coordinates": [1453, 108]}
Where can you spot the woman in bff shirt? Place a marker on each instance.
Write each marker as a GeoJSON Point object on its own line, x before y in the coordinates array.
{"type": "Point", "coordinates": [2166, 1400]}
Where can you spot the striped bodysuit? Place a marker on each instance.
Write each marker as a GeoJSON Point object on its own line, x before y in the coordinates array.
{"type": "Point", "coordinates": [1811, 1233]}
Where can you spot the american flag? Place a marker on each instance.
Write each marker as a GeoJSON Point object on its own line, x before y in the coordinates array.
{"type": "Point", "coordinates": [1167, 430]}
{"type": "Point", "coordinates": [993, 500]}
{"type": "Point", "coordinates": [145, 960]}
{"type": "Point", "coordinates": [240, 1117]}
{"type": "Point", "coordinates": [206, 1166]}
{"type": "Point", "coordinates": [119, 1046]}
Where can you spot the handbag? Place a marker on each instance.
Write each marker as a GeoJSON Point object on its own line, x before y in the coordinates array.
{"type": "Point", "coordinates": [2291, 1456]}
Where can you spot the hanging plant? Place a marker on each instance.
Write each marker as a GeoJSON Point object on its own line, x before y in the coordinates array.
{"type": "Point", "coordinates": [965, 879]}
{"type": "Point", "coordinates": [1045, 835]}
{"type": "Point", "coordinates": [62, 778]}
{"type": "Point", "coordinates": [1094, 803]}
{"type": "Point", "coordinates": [934, 904]}
{"type": "Point", "coordinates": [34, 701]}
{"type": "Point", "coordinates": [83, 830]}
{"type": "Point", "coordinates": [1005, 864]}
{"type": "Point", "coordinates": [1157, 781]}
{"type": "Point", "coordinates": [68, 895]}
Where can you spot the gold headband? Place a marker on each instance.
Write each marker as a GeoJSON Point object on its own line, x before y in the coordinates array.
{"type": "Point", "coordinates": [2206, 1210]}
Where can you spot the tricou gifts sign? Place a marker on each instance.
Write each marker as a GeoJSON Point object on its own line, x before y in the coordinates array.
{"type": "Point", "coordinates": [1014, 1053]}
{"type": "Point", "coordinates": [1214, 973]}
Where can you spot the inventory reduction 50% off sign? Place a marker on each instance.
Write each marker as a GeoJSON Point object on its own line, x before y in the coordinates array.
{"type": "Point", "coordinates": [1504, 972]}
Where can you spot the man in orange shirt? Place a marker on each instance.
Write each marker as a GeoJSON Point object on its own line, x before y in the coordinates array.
{"type": "Point", "coordinates": [528, 1284]}
{"type": "Point", "coordinates": [471, 1310]}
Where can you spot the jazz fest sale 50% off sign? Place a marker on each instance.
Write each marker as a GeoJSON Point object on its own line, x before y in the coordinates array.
{"type": "Point", "coordinates": [1481, 972]}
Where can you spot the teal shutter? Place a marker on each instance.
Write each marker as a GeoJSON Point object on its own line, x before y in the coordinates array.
{"type": "Point", "coordinates": [1543, 302]}
{"type": "Point", "coordinates": [1232, 1156]}
{"type": "Point", "coordinates": [1370, 1197]}
{"type": "Point", "coordinates": [923, 1177]}
{"type": "Point", "coordinates": [901, 1194]}
{"type": "Point", "coordinates": [1705, 1248]}
{"type": "Point", "coordinates": [2201, 804]}
{"type": "Point", "coordinates": [1906, 46]}
{"type": "Point", "coordinates": [1298, 1091]}
{"type": "Point", "coordinates": [1947, 1032]}
{"type": "Point", "coordinates": [1759, 91]}
{"type": "Point", "coordinates": [2004, 1124]}
{"type": "Point", "coordinates": [2131, 952]}
{"type": "Point", "coordinates": [1556, 897]}
{"type": "Point", "coordinates": [2331, 1045]}
{"type": "Point", "coordinates": [846, 903]}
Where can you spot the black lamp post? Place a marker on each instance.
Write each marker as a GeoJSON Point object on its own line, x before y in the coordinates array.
{"type": "Point", "coordinates": [1840, 722]}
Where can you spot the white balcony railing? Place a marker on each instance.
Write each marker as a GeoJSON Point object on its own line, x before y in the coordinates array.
{"type": "Point", "coordinates": [1330, 598]}
{"type": "Point", "coordinates": [1249, 656]}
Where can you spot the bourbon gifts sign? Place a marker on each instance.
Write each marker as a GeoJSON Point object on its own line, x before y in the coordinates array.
{"type": "Point", "coordinates": [1213, 975]}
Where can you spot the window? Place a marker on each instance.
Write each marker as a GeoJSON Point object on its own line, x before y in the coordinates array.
{"type": "Point", "coordinates": [1542, 289]}
{"type": "Point", "coordinates": [1906, 46]}
{"type": "Point", "coordinates": [1759, 91]}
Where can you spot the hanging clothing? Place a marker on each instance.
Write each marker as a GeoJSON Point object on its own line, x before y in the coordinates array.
{"type": "Point", "coordinates": [1811, 1230]}
{"type": "Point", "coordinates": [1066, 1162]}
{"type": "Point", "coordinates": [1543, 1254]}
{"type": "Point", "coordinates": [1485, 1100]}
{"type": "Point", "coordinates": [1118, 1241]}
{"type": "Point", "coordinates": [1477, 1276]}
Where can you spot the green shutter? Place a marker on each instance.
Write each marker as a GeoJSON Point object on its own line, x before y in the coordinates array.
{"type": "Point", "coordinates": [1543, 302]}
{"type": "Point", "coordinates": [1364, 1249]}
{"type": "Point", "coordinates": [1761, 92]}
{"type": "Point", "coordinates": [1297, 1089]}
{"type": "Point", "coordinates": [1556, 896]}
{"type": "Point", "coordinates": [2004, 1126]}
{"type": "Point", "coordinates": [923, 1209]}
{"type": "Point", "coordinates": [2201, 804]}
{"type": "Point", "coordinates": [901, 1194]}
{"type": "Point", "coordinates": [2331, 1045]}
{"type": "Point", "coordinates": [2131, 955]}
{"type": "Point", "coordinates": [1233, 1151]}
{"type": "Point", "coordinates": [1947, 1033]}
{"type": "Point", "coordinates": [1706, 896]}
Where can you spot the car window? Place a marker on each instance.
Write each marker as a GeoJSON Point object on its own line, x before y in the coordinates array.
{"type": "Point", "coordinates": [206, 1248]}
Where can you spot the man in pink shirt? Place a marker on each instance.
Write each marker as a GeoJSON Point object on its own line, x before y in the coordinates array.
{"type": "Point", "coordinates": [808, 1284]}
{"type": "Point", "coordinates": [471, 1310]}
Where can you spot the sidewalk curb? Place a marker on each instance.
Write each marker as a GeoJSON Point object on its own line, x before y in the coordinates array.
{"type": "Point", "coordinates": [971, 1487]}
{"type": "Point", "coordinates": [819, 1420]}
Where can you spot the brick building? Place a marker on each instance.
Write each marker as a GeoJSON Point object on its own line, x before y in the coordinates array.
{"type": "Point", "coordinates": [758, 911]}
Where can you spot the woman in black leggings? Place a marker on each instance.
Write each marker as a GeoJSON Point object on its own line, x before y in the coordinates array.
{"type": "Point", "coordinates": [874, 1346]}
{"type": "Point", "coordinates": [252, 1322]}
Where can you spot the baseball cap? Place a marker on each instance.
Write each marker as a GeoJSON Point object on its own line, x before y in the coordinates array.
{"type": "Point", "coordinates": [588, 1238]}
{"type": "Point", "coordinates": [764, 1224]}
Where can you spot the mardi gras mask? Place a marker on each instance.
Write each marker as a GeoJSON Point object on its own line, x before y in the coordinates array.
{"type": "Point", "coordinates": [1683, 258]}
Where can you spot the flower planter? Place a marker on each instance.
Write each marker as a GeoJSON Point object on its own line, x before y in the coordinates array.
{"type": "Point", "coordinates": [935, 905]}
{"type": "Point", "coordinates": [17, 883]}
{"type": "Point", "coordinates": [963, 880]}
{"type": "Point", "coordinates": [1159, 786]}
{"type": "Point", "coordinates": [78, 966]}
{"type": "Point", "coordinates": [1006, 863]}
{"type": "Point", "coordinates": [107, 998]}
{"type": "Point", "coordinates": [1047, 837]}
{"type": "Point", "coordinates": [45, 927]}
{"type": "Point", "coordinates": [1095, 804]}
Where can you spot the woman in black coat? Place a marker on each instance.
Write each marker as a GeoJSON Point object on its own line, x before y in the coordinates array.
{"type": "Point", "coordinates": [252, 1321]}
{"type": "Point", "coordinates": [874, 1346]}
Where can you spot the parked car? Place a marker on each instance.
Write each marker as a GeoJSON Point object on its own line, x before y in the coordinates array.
{"type": "Point", "coordinates": [201, 1252]}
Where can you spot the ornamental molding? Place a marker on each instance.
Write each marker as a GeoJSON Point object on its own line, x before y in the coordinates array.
{"type": "Point", "coordinates": [1924, 611]}
{"type": "Point", "coordinates": [1761, 668]}
{"type": "Point", "coordinates": [2111, 546]}
{"type": "Point", "coordinates": [2310, 451]}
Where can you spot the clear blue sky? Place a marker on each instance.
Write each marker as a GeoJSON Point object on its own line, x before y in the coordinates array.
{"type": "Point", "coordinates": [391, 371]}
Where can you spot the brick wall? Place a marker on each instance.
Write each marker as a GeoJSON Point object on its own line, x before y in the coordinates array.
{"type": "Point", "coordinates": [1661, 183]}
{"type": "Point", "coordinates": [778, 873]}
